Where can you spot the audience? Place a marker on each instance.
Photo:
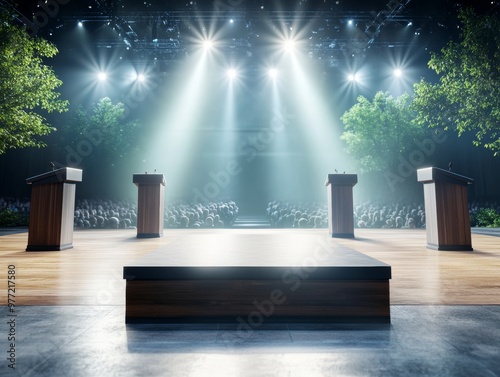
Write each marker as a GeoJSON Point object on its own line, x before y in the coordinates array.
{"type": "Point", "coordinates": [15, 205]}
{"type": "Point", "coordinates": [114, 215]}
{"type": "Point", "coordinates": [366, 215]}
{"type": "Point", "coordinates": [107, 214]}
{"type": "Point", "coordinates": [211, 215]}
{"type": "Point", "coordinates": [297, 215]}
{"type": "Point", "coordinates": [389, 215]}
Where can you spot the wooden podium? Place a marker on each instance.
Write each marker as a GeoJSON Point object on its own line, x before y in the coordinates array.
{"type": "Point", "coordinates": [340, 204]}
{"type": "Point", "coordinates": [447, 219]}
{"type": "Point", "coordinates": [52, 209]}
{"type": "Point", "coordinates": [150, 204]}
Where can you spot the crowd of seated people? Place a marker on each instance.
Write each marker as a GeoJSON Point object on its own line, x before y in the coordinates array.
{"type": "Point", "coordinates": [114, 215]}
{"type": "Point", "coordinates": [283, 214]}
{"type": "Point", "coordinates": [15, 205]}
{"type": "Point", "coordinates": [211, 215]}
{"type": "Point", "coordinates": [107, 214]}
{"type": "Point", "coordinates": [389, 215]}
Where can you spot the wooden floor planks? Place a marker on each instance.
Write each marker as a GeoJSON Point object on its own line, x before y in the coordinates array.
{"type": "Point", "coordinates": [92, 272]}
{"type": "Point", "coordinates": [425, 276]}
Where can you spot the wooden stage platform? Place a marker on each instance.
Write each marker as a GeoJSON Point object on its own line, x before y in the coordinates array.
{"type": "Point", "coordinates": [294, 277]}
{"type": "Point", "coordinates": [92, 272]}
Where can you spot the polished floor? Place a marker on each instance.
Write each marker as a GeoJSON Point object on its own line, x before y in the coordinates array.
{"type": "Point", "coordinates": [94, 341]}
{"type": "Point", "coordinates": [69, 318]}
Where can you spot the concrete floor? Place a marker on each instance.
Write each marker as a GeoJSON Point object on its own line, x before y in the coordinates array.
{"type": "Point", "coordinates": [94, 341]}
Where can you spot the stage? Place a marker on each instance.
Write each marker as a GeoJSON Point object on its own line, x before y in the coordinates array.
{"type": "Point", "coordinates": [91, 273]}
{"type": "Point", "coordinates": [257, 274]}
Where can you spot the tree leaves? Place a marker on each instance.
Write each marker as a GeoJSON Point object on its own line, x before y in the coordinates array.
{"type": "Point", "coordinates": [467, 97]}
{"type": "Point", "coordinates": [377, 132]}
{"type": "Point", "coordinates": [101, 127]}
{"type": "Point", "coordinates": [27, 86]}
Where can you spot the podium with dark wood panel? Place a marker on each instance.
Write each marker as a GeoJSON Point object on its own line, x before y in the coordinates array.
{"type": "Point", "coordinates": [446, 209]}
{"type": "Point", "coordinates": [52, 209]}
{"type": "Point", "coordinates": [150, 204]}
{"type": "Point", "coordinates": [340, 204]}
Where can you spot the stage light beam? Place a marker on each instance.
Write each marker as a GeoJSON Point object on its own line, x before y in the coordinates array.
{"type": "Point", "coordinates": [315, 118]}
{"type": "Point", "coordinates": [173, 146]}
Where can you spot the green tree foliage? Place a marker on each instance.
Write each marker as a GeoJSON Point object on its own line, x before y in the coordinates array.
{"type": "Point", "coordinates": [377, 132]}
{"type": "Point", "coordinates": [27, 86]}
{"type": "Point", "coordinates": [10, 218]}
{"type": "Point", "coordinates": [467, 97]}
{"type": "Point", "coordinates": [99, 135]}
{"type": "Point", "coordinates": [485, 217]}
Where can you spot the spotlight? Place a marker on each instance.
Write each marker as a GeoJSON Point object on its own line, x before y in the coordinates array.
{"type": "Point", "coordinates": [141, 77]}
{"type": "Point", "coordinates": [272, 72]}
{"type": "Point", "coordinates": [102, 76]}
{"type": "Point", "coordinates": [208, 44]}
{"type": "Point", "coordinates": [232, 73]}
{"type": "Point", "coordinates": [289, 44]}
{"type": "Point", "coordinates": [231, 21]}
{"type": "Point", "coordinates": [350, 22]}
{"type": "Point", "coordinates": [80, 23]}
{"type": "Point", "coordinates": [353, 77]}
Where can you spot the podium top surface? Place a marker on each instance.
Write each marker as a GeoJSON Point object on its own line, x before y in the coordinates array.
{"type": "Point", "coordinates": [341, 179]}
{"type": "Point", "coordinates": [440, 175]}
{"type": "Point", "coordinates": [58, 175]}
{"type": "Point", "coordinates": [149, 179]}
{"type": "Point", "coordinates": [255, 255]}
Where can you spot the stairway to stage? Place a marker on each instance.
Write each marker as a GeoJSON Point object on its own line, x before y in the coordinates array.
{"type": "Point", "coordinates": [252, 222]}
